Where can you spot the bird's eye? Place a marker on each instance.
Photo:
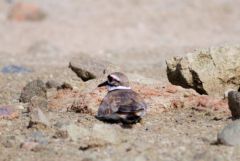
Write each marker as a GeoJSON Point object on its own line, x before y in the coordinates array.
{"type": "Point", "coordinates": [110, 79]}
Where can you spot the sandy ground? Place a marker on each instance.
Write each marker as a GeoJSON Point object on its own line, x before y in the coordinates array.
{"type": "Point", "coordinates": [137, 35]}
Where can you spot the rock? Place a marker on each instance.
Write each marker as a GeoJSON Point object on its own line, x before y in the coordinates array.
{"type": "Point", "coordinates": [99, 132]}
{"type": "Point", "coordinates": [38, 120]}
{"type": "Point", "coordinates": [88, 68]}
{"type": "Point", "coordinates": [52, 84]}
{"type": "Point", "coordinates": [8, 112]}
{"type": "Point", "coordinates": [230, 134]}
{"type": "Point", "coordinates": [26, 12]}
{"type": "Point", "coordinates": [38, 102]}
{"type": "Point", "coordinates": [13, 69]}
{"type": "Point", "coordinates": [209, 71]}
{"type": "Point", "coordinates": [33, 88]}
{"type": "Point", "coordinates": [234, 103]}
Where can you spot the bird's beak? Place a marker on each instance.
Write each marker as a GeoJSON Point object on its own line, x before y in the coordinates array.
{"type": "Point", "coordinates": [103, 84]}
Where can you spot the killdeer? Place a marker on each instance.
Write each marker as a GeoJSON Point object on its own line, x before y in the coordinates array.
{"type": "Point", "coordinates": [121, 104]}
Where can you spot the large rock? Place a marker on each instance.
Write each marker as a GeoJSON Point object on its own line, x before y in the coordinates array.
{"type": "Point", "coordinates": [88, 68]}
{"type": "Point", "coordinates": [230, 134]}
{"type": "Point", "coordinates": [33, 88]}
{"type": "Point", "coordinates": [209, 71]}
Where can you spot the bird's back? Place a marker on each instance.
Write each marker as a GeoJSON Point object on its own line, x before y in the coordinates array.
{"type": "Point", "coordinates": [125, 105]}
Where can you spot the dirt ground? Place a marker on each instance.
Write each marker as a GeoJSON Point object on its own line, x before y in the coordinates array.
{"type": "Point", "coordinates": [137, 35]}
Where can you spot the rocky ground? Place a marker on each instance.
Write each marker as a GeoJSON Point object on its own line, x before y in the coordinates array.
{"type": "Point", "coordinates": [136, 36]}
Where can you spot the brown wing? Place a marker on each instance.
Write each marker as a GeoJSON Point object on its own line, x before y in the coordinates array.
{"type": "Point", "coordinates": [121, 101]}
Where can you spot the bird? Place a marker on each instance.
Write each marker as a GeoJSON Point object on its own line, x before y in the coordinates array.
{"type": "Point", "coordinates": [121, 104]}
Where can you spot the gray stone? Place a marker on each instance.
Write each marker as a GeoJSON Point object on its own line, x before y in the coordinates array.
{"type": "Point", "coordinates": [33, 88]}
{"type": "Point", "coordinates": [209, 71]}
{"type": "Point", "coordinates": [230, 134]}
{"type": "Point", "coordinates": [88, 68]}
{"type": "Point", "coordinates": [38, 119]}
{"type": "Point", "coordinates": [234, 103]}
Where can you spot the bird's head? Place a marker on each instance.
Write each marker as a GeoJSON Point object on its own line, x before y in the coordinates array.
{"type": "Point", "coordinates": [116, 80]}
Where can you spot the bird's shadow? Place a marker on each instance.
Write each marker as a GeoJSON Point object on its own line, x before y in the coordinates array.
{"type": "Point", "coordinates": [122, 123]}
